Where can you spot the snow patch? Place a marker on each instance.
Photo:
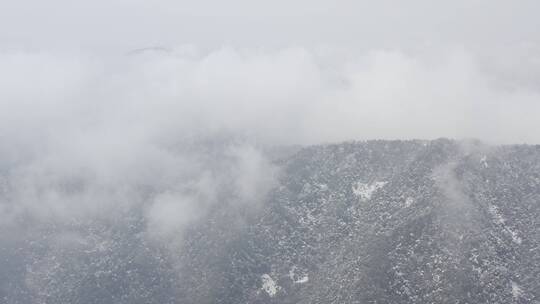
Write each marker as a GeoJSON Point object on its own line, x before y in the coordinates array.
{"type": "Point", "coordinates": [323, 187]}
{"type": "Point", "coordinates": [484, 162]}
{"type": "Point", "coordinates": [365, 191]}
{"type": "Point", "coordinates": [302, 280]}
{"type": "Point", "coordinates": [499, 219]}
{"type": "Point", "coordinates": [516, 290]}
{"type": "Point", "coordinates": [269, 285]}
{"type": "Point", "coordinates": [515, 237]}
{"type": "Point", "coordinates": [409, 201]}
{"type": "Point", "coordinates": [295, 278]}
{"type": "Point", "coordinates": [494, 211]}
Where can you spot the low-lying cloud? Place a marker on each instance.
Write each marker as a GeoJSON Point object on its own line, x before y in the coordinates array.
{"type": "Point", "coordinates": [166, 135]}
{"type": "Point", "coordinates": [288, 96]}
{"type": "Point", "coordinates": [83, 134]}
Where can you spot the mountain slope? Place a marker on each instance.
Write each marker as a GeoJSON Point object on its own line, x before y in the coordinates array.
{"type": "Point", "coordinates": [361, 222]}
{"type": "Point", "coordinates": [393, 222]}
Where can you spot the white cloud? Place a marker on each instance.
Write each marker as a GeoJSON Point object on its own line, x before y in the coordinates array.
{"type": "Point", "coordinates": [82, 134]}
{"type": "Point", "coordinates": [170, 214]}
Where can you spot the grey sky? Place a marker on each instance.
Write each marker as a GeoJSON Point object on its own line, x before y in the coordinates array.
{"type": "Point", "coordinates": [121, 24]}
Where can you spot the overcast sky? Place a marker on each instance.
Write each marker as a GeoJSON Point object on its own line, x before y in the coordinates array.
{"type": "Point", "coordinates": [119, 25]}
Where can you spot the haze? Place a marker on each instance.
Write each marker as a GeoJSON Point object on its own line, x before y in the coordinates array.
{"type": "Point", "coordinates": [164, 109]}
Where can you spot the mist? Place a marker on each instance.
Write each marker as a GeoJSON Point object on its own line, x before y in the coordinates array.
{"type": "Point", "coordinates": [157, 115]}
{"type": "Point", "coordinates": [171, 130]}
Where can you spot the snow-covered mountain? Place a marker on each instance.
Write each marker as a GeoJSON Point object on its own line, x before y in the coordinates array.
{"type": "Point", "coordinates": [362, 222]}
